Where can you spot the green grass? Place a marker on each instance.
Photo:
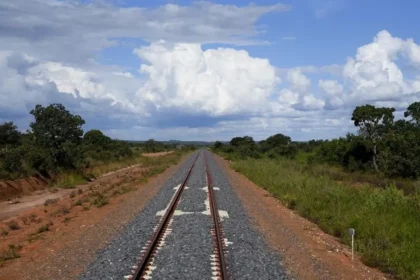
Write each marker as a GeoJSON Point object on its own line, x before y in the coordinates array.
{"type": "Point", "coordinates": [11, 253]}
{"type": "Point", "coordinates": [44, 228]}
{"type": "Point", "coordinates": [68, 180]}
{"type": "Point", "coordinates": [99, 199]}
{"type": "Point", "coordinates": [386, 221]}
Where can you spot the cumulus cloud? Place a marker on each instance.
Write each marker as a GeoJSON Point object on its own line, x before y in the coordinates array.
{"type": "Point", "coordinates": [217, 82]}
{"type": "Point", "coordinates": [334, 92]}
{"type": "Point", "coordinates": [298, 81]}
{"type": "Point", "coordinates": [73, 31]}
{"type": "Point", "coordinates": [374, 73]}
{"type": "Point", "coordinates": [26, 82]}
{"type": "Point", "coordinates": [331, 87]}
{"type": "Point", "coordinates": [309, 103]}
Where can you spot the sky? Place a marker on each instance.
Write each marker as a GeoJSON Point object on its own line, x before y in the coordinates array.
{"type": "Point", "coordinates": [209, 70]}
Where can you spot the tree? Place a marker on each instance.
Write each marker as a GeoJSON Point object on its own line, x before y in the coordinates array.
{"type": "Point", "coordinates": [153, 146]}
{"type": "Point", "coordinates": [241, 141]}
{"type": "Point", "coordinates": [96, 138]}
{"type": "Point", "coordinates": [373, 123]}
{"type": "Point", "coordinates": [278, 140]}
{"type": "Point", "coordinates": [9, 135]}
{"type": "Point", "coordinates": [218, 145]}
{"type": "Point", "coordinates": [400, 150]}
{"type": "Point", "coordinates": [413, 111]}
{"type": "Point", "coordinates": [59, 132]}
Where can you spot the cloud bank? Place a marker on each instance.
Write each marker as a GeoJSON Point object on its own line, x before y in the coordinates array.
{"type": "Point", "coordinates": [185, 88]}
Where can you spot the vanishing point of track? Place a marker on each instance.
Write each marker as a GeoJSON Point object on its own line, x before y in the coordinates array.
{"type": "Point", "coordinates": [140, 271]}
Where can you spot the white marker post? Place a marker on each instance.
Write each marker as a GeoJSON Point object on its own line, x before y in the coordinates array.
{"type": "Point", "coordinates": [352, 232]}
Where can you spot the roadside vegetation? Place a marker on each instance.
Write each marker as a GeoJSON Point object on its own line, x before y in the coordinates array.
{"type": "Point", "coordinates": [367, 181]}
{"type": "Point", "coordinates": [57, 149]}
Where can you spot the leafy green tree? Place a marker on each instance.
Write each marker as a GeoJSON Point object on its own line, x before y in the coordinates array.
{"type": "Point", "coordinates": [278, 145]}
{"type": "Point", "coordinates": [413, 111]}
{"type": "Point", "coordinates": [218, 145]}
{"type": "Point", "coordinates": [153, 146]}
{"type": "Point", "coordinates": [241, 141]}
{"type": "Point", "coordinates": [373, 123]}
{"type": "Point", "coordinates": [95, 137]}
{"type": "Point", "coordinates": [9, 135]}
{"type": "Point", "coordinates": [59, 132]}
{"type": "Point", "coordinates": [278, 140]}
{"type": "Point", "coordinates": [401, 150]}
{"type": "Point", "coordinates": [12, 160]}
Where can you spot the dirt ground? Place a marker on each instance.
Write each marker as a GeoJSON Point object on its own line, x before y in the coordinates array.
{"type": "Point", "coordinates": [308, 253]}
{"type": "Point", "coordinates": [58, 240]}
{"type": "Point", "coordinates": [157, 154]}
{"type": "Point", "coordinates": [18, 205]}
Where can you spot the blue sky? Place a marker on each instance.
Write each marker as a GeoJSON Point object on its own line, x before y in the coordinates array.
{"type": "Point", "coordinates": [213, 70]}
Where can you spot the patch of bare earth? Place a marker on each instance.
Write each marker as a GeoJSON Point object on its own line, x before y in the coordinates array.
{"type": "Point", "coordinates": [157, 154]}
{"type": "Point", "coordinates": [308, 253]}
{"type": "Point", "coordinates": [60, 239]}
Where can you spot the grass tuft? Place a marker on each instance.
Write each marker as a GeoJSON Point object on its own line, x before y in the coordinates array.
{"type": "Point", "coordinates": [44, 228]}
{"type": "Point", "coordinates": [51, 201]}
{"type": "Point", "coordinates": [11, 253]}
{"type": "Point", "coordinates": [13, 225]}
{"type": "Point", "coordinates": [69, 180]}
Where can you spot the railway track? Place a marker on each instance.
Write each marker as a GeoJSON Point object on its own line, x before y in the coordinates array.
{"type": "Point", "coordinates": [145, 267]}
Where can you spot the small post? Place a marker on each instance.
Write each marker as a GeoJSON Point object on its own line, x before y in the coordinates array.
{"type": "Point", "coordinates": [352, 232]}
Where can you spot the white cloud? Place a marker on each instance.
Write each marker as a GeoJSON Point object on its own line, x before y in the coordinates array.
{"type": "Point", "coordinates": [217, 82]}
{"type": "Point", "coordinates": [74, 31]}
{"type": "Point", "coordinates": [309, 103]}
{"type": "Point", "coordinates": [374, 73]}
{"type": "Point", "coordinates": [298, 81]}
{"type": "Point", "coordinates": [288, 97]}
{"type": "Point", "coordinates": [334, 92]}
{"type": "Point", "coordinates": [331, 87]}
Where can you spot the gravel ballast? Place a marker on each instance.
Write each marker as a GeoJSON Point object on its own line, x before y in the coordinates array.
{"type": "Point", "coordinates": [186, 251]}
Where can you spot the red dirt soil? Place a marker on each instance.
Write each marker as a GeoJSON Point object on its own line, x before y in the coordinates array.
{"type": "Point", "coordinates": [63, 249]}
{"type": "Point", "coordinates": [11, 189]}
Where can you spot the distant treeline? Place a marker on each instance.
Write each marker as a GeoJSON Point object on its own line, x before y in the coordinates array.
{"type": "Point", "coordinates": [57, 143]}
{"type": "Point", "coordinates": [381, 145]}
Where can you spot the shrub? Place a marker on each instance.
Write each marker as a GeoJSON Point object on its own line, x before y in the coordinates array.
{"type": "Point", "coordinates": [13, 225]}
{"type": "Point", "coordinates": [44, 228]}
{"type": "Point", "coordinates": [11, 253]}
{"type": "Point", "coordinates": [99, 200]}
{"type": "Point", "coordinates": [51, 201]}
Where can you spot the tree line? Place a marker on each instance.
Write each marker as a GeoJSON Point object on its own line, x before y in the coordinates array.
{"type": "Point", "coordinates": [54, 143]}
{"type": "Point", "coordinates": [382, 144]}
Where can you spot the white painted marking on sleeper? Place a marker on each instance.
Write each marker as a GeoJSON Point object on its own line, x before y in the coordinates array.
{"type": "Point", "coordinates": [162, 212]}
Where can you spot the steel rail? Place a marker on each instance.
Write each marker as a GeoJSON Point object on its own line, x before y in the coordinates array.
{"type": "Point", "coordinates": [142, 266]}
{"type": "Point", "coordinates": [217, 224]}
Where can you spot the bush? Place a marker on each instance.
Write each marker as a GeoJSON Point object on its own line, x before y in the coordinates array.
{"type": "Point", "coordinates": [13, 225]}
{"type": "Point", "coordinates": [44, 228]}
{"type": "Point", "coordinates": [11, 253]}
{"type": "Point", "coordinates": [51, 201]}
